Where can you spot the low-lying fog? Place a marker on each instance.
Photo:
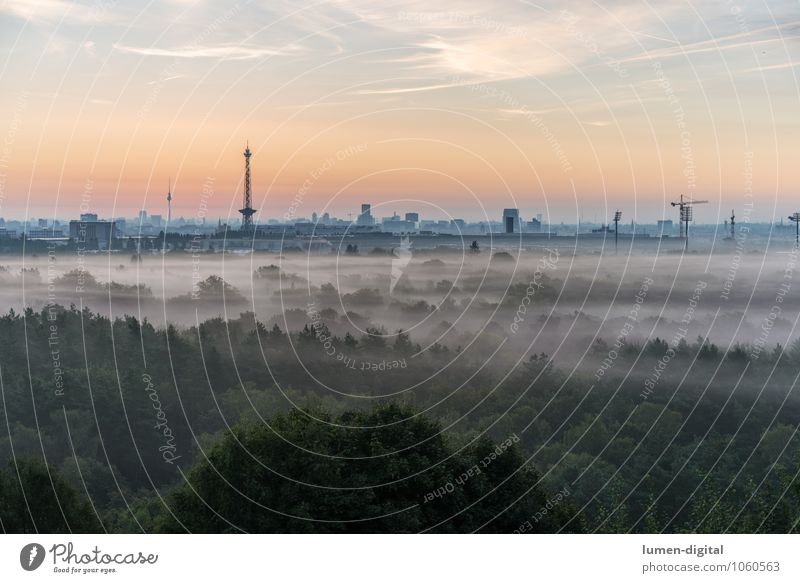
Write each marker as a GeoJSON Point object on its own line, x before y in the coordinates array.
{"type": "Point", "coordinates": [544, 300]}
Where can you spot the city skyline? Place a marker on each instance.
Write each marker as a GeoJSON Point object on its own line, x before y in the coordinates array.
{"type": "Point", "coordinates": [626, 106]}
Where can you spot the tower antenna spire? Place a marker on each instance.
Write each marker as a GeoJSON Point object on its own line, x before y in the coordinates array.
{"type": "Point", "coordinates": [248, 211]}
{"type": "Point", "coordinates": [169, 201]}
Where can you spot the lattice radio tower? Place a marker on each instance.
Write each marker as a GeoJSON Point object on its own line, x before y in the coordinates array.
{"type": "Point", "coordinates": [248, 211]}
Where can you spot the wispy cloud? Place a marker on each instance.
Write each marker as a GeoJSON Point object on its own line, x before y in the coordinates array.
{"type": "Point", "coordinates": [739, 40]}
{"type": "Point", "coordinates": [46, 11]}
{"type": "Point", "coordinates": [229, 51]}
{"type": "Point", "coordinates": [400, 90]}
{"type": "Point", "coordinates": [777, 67]}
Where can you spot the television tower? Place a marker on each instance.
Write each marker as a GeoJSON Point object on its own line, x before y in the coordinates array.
{"type": "Point", "coordinates": [169, 202]}
{"type": "Point", "coordinates": [248, 211]}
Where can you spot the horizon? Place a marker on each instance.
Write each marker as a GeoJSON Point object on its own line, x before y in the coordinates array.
{"type": "Point", "coordinates": [625, 107]}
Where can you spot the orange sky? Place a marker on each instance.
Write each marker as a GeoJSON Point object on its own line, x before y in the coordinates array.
{"type": "Point", "coordinates": [471, 108]}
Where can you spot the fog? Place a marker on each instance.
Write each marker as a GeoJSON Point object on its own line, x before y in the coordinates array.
{"type": "Point", "coordinates": [556, 301]}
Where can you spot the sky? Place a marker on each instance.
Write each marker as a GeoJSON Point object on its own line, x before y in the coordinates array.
{"type": "Point", "coordinates": [571, 109]}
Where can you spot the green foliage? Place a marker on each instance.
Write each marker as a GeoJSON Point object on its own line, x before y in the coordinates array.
{"type": "Point", "coordinates": [36, 499]}
{"type": "Point", "coordinates": [688, 456]}
{"type": "Point", "coordinates": [359, 472]}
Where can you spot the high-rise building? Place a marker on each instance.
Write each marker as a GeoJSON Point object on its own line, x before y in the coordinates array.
{"type": "Point", "coordinates": [511, 222]}
{"type": "Point", "coordinates": [88, 217]}
{"type": "Point", "coordinates": [365, 218]}
{"type": "Point", "coordinates": [142, 217]}
{"type": "Point", "coordinates": [92, 233]}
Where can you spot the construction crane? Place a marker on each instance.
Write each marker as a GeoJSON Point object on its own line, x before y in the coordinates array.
{"type": "Point", "coordinates": [685, 207]}
{"type": "Point", "coordinates": [795, 218]}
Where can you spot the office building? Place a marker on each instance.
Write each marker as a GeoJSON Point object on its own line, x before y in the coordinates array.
{"type": "Point", "coordinates": [92, 233]}
{"type": "Point", "coordinates": [511, 222]}
{"type": "Point", "coordinates": [534, 226]}
{"type": "Point", "coordinates": [365, 218]}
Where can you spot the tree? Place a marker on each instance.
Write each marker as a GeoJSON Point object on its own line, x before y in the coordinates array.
{"type": "Point", "coordinates": [402, 344]}
{"type": "Point", "coordinates": [386, 470]}
{"type": "Point", "coordinates": [36, 499]}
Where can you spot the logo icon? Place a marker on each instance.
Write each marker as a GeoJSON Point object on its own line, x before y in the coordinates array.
{"type": "Point", "coordinates": [400, 260]}
{"type": "Point", "coordinates": [31, 556]}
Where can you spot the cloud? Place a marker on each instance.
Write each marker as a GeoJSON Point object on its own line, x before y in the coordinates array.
{"type": "Point", "coordinates": [224, 52]}
{"type": "Point", "coordinates": [777, 67]}
{"type": "Point", "coordinates": [46, 11]}
{"type": "Point", "coordinates": [738, 40]}
{"type": "Point", "coordinates": [399, 90]}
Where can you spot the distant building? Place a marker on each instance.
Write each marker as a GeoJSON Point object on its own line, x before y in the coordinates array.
{"type": "Point", "coordinates": [458, 224]}
{"type": "Point", "coordinates": [395, 224]}
{"type": "Point", "coordinates": [155, 220]}
{"type": "Point", "coordinates": [92, 233]}
{"type": "Point", "coordinates": [8, 234]}
{"type": "Point", "coordinates": [511, 222]}
{"type": "Point", "coordinates": [398, 226]}
{"type": "Point", "coordinates": [45, 234]}
{"type": "Point", "coordinates": [42, 223]}
{"type": "Point", "coordinates": [365, 218]}
{"type": "Point", "coordinates": [412, 217]}
{"type": "Point", "coordinates": [142, 217]}
{"type": "Point", "coordinates": [534, 225]}
{"type": "Point", "coordinates": [665, 227]}
{"type": "Point", "coordinates": [89, 217]}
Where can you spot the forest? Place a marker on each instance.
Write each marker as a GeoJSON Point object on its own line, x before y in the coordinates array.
{"type": "Point", "coordinates": [238, 425]}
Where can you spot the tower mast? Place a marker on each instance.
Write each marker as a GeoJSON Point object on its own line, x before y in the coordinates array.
{"type": "Point", "coordinates": [169, 201]}
{"type": "Point", "coordinates": [248, 211]}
